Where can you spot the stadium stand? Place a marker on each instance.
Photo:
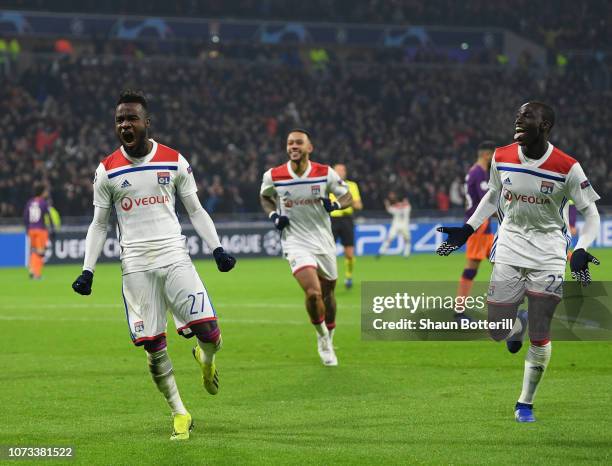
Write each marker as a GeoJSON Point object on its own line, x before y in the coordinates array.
{"type": "Point", "coordinates": [558, 23]}
{"type": "Point", "coordinates": [409, 128]}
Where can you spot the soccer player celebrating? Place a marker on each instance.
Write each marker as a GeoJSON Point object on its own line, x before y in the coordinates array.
{"type": "Point", "coordinates": [295, 196]}
{"type": "Point", "coordinates": [400, 225]}
{"type": "Point", "coordinates": [141, 180]}
{"type": "Point", "coordinates": [530, 183]}
{"type": "Point", "coordinates": [36, 217]}
{"type": "Point", "coordinates": [479, 244]}
{"type": "Point", "coordinates": [343, 226]}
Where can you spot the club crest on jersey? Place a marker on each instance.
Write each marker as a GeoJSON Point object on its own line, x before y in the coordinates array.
{"type": "Point", "coordinates": [163, 177]}
{"type": "Point", "coordinates": [547, 187]}
{"type": "Point", "coordinates": [315, 190]}
{"type": "Point", "coordinates": [139, 326]}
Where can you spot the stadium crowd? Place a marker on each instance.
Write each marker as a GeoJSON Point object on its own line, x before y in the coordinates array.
{"type": "Point", "coordinates": [559, 24]}
{"type": "Point", "coordinates": [410, 129]}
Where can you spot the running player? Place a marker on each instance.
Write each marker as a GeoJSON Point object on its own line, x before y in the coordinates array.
{"type": "Point", "coordinates": [141, 180]}
{"type": "Point", "coordinates": [36, 217]}
{"type": "Point", "coordinates": [343, 226]}
{"type": "Point", "coordinates": [479, 244]}
{"type": "Point", "coordinates": [530, 183]}
{"type": "Point", "coordinates": [400, 225]}
{"type": "Point", "coordinates": [295, 196]}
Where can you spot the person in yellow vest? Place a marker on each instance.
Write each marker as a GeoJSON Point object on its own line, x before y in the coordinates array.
{"type": "Point", "coordinates": [343, 226]}
{"type": "Point", "coordinates": [4, 58]}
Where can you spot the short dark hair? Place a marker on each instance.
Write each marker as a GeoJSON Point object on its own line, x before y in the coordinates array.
{"type": "Point", "coordinates": [131, 96]}
{"type": "Point", "coordinates": [300, 130]}
{"type": "Point", "coordinates": [487, 145]}
{"type": "Point", "coordinates": [548, 114]}
{"type": "Point", "coordinates": [39, 189]}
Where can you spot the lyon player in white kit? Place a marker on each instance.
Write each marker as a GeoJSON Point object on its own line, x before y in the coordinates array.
{"type": "Point", "coordinates": [400, 223]}
{"type": "Point", "coordinates": [295, 196]}
{"type": "Point", "coordinates": [141, 181]}
{"type": "Point", "coordinates": [530, 184]}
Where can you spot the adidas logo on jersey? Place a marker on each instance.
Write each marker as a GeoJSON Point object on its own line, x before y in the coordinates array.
{"type": "Point", "coordinates": [125, 184]}
{"type": "Point", "coordinates": [507, 181]}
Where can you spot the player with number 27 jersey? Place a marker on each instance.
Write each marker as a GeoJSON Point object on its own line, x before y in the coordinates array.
{"type": "Point", "coordinates": [143, 193]}
{"type": "Point", "coordinates": [141, 180]}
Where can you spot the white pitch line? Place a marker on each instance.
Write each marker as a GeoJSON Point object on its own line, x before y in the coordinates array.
{"type": "Point", "coordinates": [118, 319]}
{"type": "Point", "coordinates": [120, 306]}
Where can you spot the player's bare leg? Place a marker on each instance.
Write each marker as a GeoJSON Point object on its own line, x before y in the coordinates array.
{"type": "Point", "coordinates": [514, 337]}
{"type": "Point", "coordinates": [162, 373]}
{"type": "Point", "coordinates": [209, 340]}
{"type": "Point", "coordinates": [309, 281]}
{"type": "Point", "coordinates": [349, 264]}
{"type": "Point", "coordinates": [329, 300]}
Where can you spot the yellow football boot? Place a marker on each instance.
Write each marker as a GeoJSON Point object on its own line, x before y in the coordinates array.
{"type": "Point", "coordinates": [182, 426]}
{"type": "Point", "coordinates": [210, 374]}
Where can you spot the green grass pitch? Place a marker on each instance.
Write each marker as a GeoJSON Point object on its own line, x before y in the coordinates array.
{"type": "Point", "coordinates": [70, 376]}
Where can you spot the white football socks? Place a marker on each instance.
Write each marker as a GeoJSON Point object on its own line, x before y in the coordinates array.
{"type": "Point", "coordinates": [535, 364]}
{"type": "Point", "coordinates": [209, 349]}
{"type": "Point", "coordinates": [321, 329]}
{"type": "Point", "coordinates": [160, 367]}
{"type": "Point", "coordinates": [516, 329]}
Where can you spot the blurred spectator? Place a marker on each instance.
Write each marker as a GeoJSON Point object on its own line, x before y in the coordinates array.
{"type": "Point", "coordinates": [456, 193]}
{"type": "Point", "coordinates": [409, 129]}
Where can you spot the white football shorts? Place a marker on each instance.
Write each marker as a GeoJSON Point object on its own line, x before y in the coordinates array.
{"type": "Point", "coordinates": [325, 264]}
{"type": "Point", "coordinates": [509, 283]}
{"type": "Point", "coordinates": [148, 295]}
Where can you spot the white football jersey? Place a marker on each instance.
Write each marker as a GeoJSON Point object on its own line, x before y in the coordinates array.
{"type": "Point", "coordinates": [299, 198]}
{"type": "Point", "coordinates": [532, 196]}
{"type": "Point", "coordinates": [143, 193]}
{"type": "Point", "coordinates": [400, 212]}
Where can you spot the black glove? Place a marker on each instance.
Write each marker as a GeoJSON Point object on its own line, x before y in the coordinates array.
{"type": "Point", "coordinates": [225, 262]}
{"type": "Point", "coordinates": [457, 236]}
{"type": "Point", "coordinates": [280, 221]}
{"type": "Point", "coordinates": [579, 265]}
{"type": "Point", "coordinates": [329, 205]}
{"type": "Point", "coordinates": [82, 285]}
